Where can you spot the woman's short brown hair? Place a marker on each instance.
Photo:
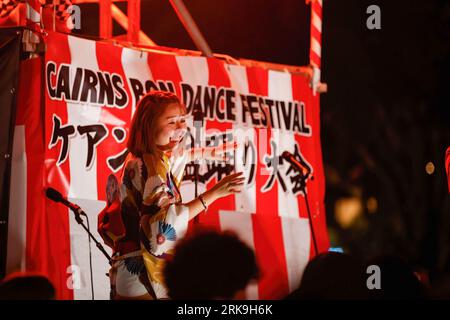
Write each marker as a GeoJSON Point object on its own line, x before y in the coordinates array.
{"type": "Point", "coordinates": [149, 108]}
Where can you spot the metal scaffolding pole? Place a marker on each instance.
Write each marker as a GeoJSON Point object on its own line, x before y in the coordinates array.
{"type": "Point", "coordinates": [191, 27]}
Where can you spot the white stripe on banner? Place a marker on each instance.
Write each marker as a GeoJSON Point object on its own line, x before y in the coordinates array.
{"type": "Point", "coordinates": [83, 183]}
{"type": "Point", "coordinates": [280, 88]}
{"type": "Point", "coordinates": [241, 224]}
{"type": "Point", "coordinates": [195, 71]}
{"type": "Point", "coordinates": [17, 220]}
{"type": "Point", "coordinates": [135, 65]}
{"type": "Point", "coordinates": [317, 22]}
{"type": "Point", "coordinates": [296, 239]}
{"type": "Point", "coordinates": [246, 200]}
{"type": "Point", "coordinates": [32, 14]}
{"type": "Point", "coordinates": [315, 46]}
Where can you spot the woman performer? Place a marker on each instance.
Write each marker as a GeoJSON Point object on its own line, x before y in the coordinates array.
{"type": "Point", "coordinates": [152, 213]}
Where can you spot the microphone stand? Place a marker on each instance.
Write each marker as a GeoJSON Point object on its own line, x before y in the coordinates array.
{"type": "Point", "coordinates": [56, 196]}
{"type": "Point", "coordinates": [196, 167]}
{"type": "Point", "coordinates": [91, 236]}
{"type": "Point", "coordinates": [198, 124]}
{"type": "Point", "coordinates": [303, 189]}
{"type": "Point", "coordinates": [78, 212]}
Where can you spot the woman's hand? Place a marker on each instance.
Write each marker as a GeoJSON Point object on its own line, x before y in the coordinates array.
{"type": "Point", "coordinates": [220, 152]}
{"type": "Point", "coordinates": [228, 185]}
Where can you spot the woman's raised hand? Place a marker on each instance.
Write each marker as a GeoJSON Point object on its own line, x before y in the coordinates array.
{"type": "Point", "coordinates": [228, 185]}
{"type": "Point", "coordinates": [219, 153]}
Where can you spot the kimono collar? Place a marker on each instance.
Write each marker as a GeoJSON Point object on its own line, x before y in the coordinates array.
{"type": "Point", "coordinates": [158, 156]}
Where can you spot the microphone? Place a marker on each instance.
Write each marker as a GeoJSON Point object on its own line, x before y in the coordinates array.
{"type": "Point", "coordinates": [289, 157]}
{"type": "Point", "coordinates": [56, 196]}
{"type": "Point", "coordinates": [197, 117]}
{"type": "Point", "coordinates": [197, 113]}
{"type": "Point", "coordinates": [198, 121]}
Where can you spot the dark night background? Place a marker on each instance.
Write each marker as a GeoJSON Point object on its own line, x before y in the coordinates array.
{"type": "Point", "coordinates": [384, 117]}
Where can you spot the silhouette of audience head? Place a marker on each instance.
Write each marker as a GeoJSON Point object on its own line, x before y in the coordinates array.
{"type": "Point", "coordinates": [332, 275]}
{"type": "Point", "coordinates": [210, 265]}
{"type": "Point", "coordinates": [398, 280]}
{"type": "Point", "coordinates": [26, 286]}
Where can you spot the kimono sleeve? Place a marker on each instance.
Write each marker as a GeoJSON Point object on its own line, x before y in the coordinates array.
{"type": "Point", "coordinates": [164, 219]}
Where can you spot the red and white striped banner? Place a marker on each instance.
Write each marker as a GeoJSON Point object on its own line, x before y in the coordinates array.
{"type": "Point", "coordinates": [32, 12]}
{"type": "Point", "coordinates": [91, 89]}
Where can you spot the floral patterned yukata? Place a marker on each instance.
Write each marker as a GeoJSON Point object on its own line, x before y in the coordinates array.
{"type": "Point", "coordinates": [151, 184]}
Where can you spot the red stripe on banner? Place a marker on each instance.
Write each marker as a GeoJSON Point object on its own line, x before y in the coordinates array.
{"type": "Point", "coordinates": [29, 113]}
{"type": "Point", "coordinates": [48, 235]}
{"type": "Point", "coordinates": [266, 203]}
{"type": "Point", "coordinates": [315, 59]}
{"type": "Point", "coordinates": [316, 34]}
{"type": "Point", "coordinates": [311, 146]}
{"type": "Point", "coordinates": [28, 104]}
{"type": "Point", "coordinates": [267, 229]}
{"type": "Point", "coordinates": [112, 117]}
{"type": "Point", "coordinates": [301, 92]}
{"type": "Point", "coordinates": [271, 258]}
{"type": "Point", "coordinates": [320, 226]}
{"type": "Point", "coordinates": [165, 67]}
{"type": "Point", "coordinates": [218, 77]}
{"type": "Point", "coordinates": [317, 8]}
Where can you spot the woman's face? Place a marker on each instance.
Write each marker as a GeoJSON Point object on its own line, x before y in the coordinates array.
{"type": "Point", "coordinates": [170, 127]}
